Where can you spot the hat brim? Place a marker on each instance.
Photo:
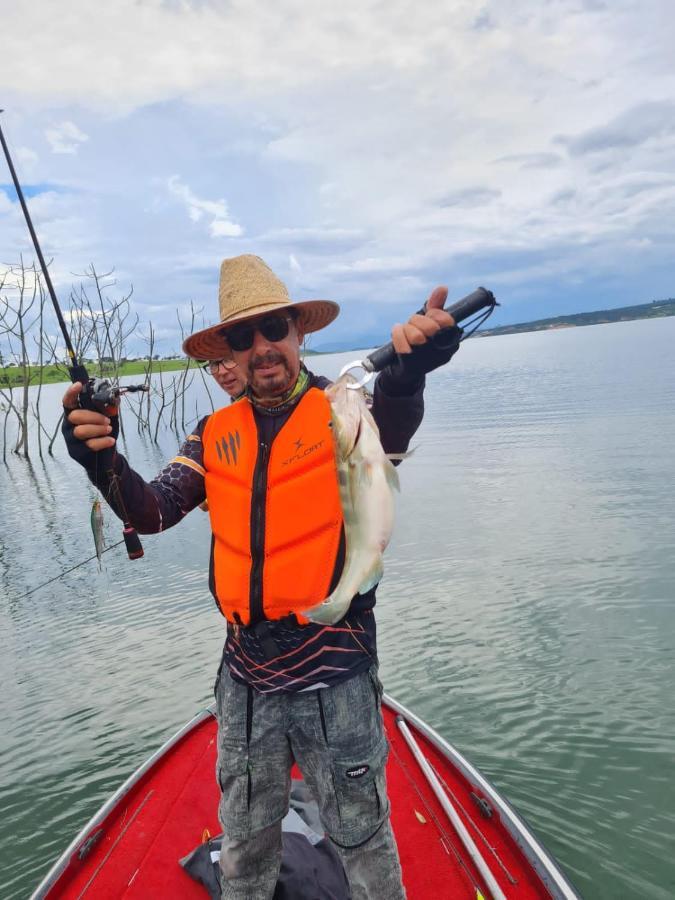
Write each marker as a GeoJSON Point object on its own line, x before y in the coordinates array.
{"type": "Point", "coordinates": [211, 343]}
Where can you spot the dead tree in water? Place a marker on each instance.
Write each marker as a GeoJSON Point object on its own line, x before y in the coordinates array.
{"type": "Point", "coordinates": [103, 324]}
{"type": "Point", "coordinates": [165, 401]}
{"type": "Point", "coordinates": [22, 300]}
{"type": "Point", "coordinates": [184, 382]}
{"type": "Point", "coordinates": [100, 324]}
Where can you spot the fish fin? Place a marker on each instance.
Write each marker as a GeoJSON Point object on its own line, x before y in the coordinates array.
{"type": "Point", "coordinates": [364, 473]}
{"type": "Point", "coordinates": [332, 609]}
{"type": "Point", "coordinates": [399, 456]}
{"type": "Point", "coordinates": [326, 613]}
{"type": "Point", "coordinates": [392, 477]}
{"type": "Point", "coordinates": [372, 577]}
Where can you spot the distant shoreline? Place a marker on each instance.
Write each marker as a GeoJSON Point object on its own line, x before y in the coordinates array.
{"type": "Point", "coordinates": [659, 309]}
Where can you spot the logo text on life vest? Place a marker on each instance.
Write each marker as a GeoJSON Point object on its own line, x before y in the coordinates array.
{"type": "Point", "coordinates": [301, 451]}
{"type": "Point", "coordinates": [227, 447]}
{"type": "Point", "coordinates": [357, 771]}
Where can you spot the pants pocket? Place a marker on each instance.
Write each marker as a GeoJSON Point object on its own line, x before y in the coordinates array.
{"type": "Point", "coordinates": [254, 790]}
{"type": "Point", "coordinates": [360, 795]}
{"type": "Point", "coordinates": [234, 779]}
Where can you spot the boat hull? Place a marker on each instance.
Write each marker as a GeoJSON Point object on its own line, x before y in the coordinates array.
{"type": "Point", "coordinates": [131, 847]}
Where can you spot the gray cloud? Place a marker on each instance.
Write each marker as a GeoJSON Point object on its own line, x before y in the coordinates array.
{"type": "Point", "coordinates": [315, 240]}
{"type": "Point", "coordinates": [532, 160]}
{"type": "Point", "coordinates": [632, 128]}
{"type": "Point", "coordinates": [469, 196]}
{"type": "Point", "coordinates": [483, 21]}
{"type": "Point", "coordinates": [562, 198]}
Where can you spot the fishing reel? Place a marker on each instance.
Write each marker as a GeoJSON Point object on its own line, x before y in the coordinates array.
{"type": "Point", "coordinates": [101, 395]}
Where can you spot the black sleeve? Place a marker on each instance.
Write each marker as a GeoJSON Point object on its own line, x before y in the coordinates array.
{"type": "Point", "coordinates": [149, 507]}
{"type": "Point", "coordinates": [398, 416]}
{"type": "Point", "coordinates": [398, 401]}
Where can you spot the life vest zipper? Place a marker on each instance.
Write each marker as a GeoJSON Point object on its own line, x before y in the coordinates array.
{"type": "Point", "coordinates": [258, 504]}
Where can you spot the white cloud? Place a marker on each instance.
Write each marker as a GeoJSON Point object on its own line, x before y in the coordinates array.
{"type": "Point", "coordinates": [65, 138]}
{"type": "Point", "coordinates": [220, 224]}
{"type": "Point", "coordinates": [28, 158]}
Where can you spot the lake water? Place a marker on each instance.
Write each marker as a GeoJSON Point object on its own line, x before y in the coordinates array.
{"type": "Point", "coordinates": [527, 610]}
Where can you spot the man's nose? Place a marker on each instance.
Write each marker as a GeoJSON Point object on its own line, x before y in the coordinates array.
{"type": "Point", "coordinates": [260, 343]}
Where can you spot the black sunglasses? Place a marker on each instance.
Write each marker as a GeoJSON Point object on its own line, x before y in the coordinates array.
{"type": "Point", "coordinates": [273, 328]}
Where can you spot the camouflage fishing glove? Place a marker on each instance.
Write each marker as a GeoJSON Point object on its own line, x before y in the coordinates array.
{"type": "Point", "coordinates": [406, 375]}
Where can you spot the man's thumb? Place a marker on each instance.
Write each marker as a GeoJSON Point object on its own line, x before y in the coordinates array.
{"type": "Point", "coordinates": [438, 297]}
{"type": "Point", "coordinates": [71, 395]}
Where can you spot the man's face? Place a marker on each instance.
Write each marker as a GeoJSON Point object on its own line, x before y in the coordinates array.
{"type": "Point", "coordinates": [271, 366]}
{"type": "Point", "coordinates": [229, 376]}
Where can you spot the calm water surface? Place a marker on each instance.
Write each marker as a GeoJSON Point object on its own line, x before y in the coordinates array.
{"type": "Point", "coordinates": [527, 610]}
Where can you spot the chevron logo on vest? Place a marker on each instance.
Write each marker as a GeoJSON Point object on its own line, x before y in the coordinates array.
{"type": "Point", "coordinates": [227, 448]}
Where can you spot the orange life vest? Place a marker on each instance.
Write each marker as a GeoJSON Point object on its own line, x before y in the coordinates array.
{"type": "Point", "coordinates": [275, 511]}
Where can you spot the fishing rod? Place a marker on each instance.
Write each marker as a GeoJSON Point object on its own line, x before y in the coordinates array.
{"type": "Point", "coordinates": [97, 394]}
{"type": "Point", "coordinates": [480, 303]}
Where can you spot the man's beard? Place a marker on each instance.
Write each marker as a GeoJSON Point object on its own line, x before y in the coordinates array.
{"type": "Point", "coordinates": [269, 386]}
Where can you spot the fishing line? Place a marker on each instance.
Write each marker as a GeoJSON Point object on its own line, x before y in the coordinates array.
{"type": "Point", "coordinates": [471, 821]}
{"type": "Point", "coordinates": [482, 317]}
{"type": "Point", "coordinates": [68, 571]}
{"type": "Point", "coordinates": [442, 832]}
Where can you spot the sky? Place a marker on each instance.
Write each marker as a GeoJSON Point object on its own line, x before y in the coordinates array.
{"type": "Point", "coordinates": [367, 150]}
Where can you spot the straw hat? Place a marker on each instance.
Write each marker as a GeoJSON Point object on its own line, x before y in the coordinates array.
{"type": "Point", "coordinates": [248, 287]}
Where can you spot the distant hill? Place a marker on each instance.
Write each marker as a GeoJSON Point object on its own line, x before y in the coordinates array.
{"type": "Point", "coordinates": [656, 309]}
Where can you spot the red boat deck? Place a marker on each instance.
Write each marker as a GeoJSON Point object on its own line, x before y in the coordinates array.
{"type": "Point", "coordinates": [134, 852]}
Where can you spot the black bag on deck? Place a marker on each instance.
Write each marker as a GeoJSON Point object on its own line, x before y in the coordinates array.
{"type": "Point", "coordinates": [310, 866]}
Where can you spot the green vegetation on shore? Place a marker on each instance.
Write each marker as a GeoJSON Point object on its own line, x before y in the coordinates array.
{"type": "Point", "coordinates": [13, 376]}
{"type": "Point", "coordinates": [656, 309]}
{"type": "Point", "coordinates": [53, 374]}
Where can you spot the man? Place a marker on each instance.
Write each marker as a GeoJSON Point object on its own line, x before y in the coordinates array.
{"type": "Point", "coordinates": [228, 375]}
{"type": "Point", "coordinates": [232, 380]}
{"type": "Point", "coordinates": [287, 690]}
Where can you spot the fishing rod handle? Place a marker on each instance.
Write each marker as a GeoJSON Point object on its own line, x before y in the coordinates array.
{"type": "Point", "coordinates": [462, 309]}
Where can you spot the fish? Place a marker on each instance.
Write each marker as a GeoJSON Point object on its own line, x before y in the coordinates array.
{"type": "Point", "coordinates": [367, 480]}
{"type": "Point", "coordinates": [96, 519]}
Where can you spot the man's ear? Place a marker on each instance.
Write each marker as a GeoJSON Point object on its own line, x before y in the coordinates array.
{"type": "Point", "coordinates": [299, 331]}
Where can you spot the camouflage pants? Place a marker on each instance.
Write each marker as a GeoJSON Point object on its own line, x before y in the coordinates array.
{"type": "Point", "coordinates": [337, 738]}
